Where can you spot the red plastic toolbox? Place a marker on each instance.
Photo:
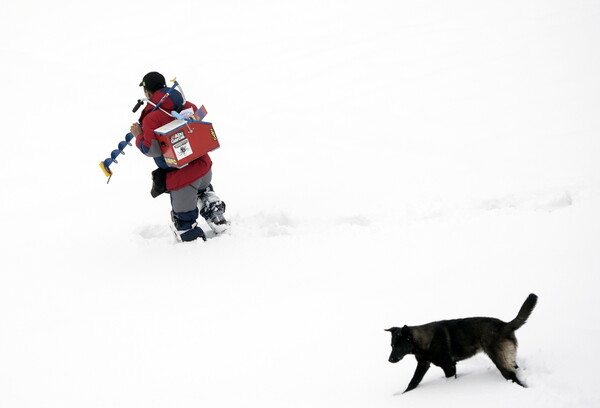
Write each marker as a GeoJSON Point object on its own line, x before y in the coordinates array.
{"type": "Point", "coordinates": [182, 141]}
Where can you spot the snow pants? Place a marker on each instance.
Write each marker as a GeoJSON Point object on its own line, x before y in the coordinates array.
{"type": "Point", "coordinates": [184, 202]}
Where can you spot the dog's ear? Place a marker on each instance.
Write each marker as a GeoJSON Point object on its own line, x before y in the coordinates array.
{"type": "Point", "coordinates": [392, 329]}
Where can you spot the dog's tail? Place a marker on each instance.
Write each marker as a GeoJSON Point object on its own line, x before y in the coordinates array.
{"type": "Point", "coordinates": [523, 315]}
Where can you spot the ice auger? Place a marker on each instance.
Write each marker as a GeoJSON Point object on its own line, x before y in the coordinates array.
{"type": "Point", "coordinates": [105, 165]}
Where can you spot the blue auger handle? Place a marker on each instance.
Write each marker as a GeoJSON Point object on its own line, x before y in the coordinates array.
{"type": "Point", "coordinates": [166, 95]}
{"type": "Point", "coordinates": [105, 165]}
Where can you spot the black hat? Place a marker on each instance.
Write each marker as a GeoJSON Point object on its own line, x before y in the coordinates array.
{"type": "Point", "coordinates": [153, 81]}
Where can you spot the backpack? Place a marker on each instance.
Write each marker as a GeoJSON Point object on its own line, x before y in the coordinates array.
{"type": "Point", "coordinates": [185, 139]}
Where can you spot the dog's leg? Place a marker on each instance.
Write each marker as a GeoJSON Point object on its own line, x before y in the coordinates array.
{"type": "Point", "coordinates": [510, 375]}
{"type": "Point", "coordinates": [450, 370]}
{"type": "Point", "coordinates": [504, 355]}
{"type": "Point", "coordinates": [445, 352]}
{"type": "Point", "coordinates": [513, 376]}
{"type": "Point", "coordinates": [422, 368]}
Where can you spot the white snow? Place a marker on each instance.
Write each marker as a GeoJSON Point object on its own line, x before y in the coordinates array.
{"type": "Point", "coordinates": [383, 163]}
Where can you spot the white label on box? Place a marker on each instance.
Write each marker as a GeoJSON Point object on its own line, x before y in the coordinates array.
{"type": "Point", "coordinates": [182, 149]}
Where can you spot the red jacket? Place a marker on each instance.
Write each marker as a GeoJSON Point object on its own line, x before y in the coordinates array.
{"type": "Point", "coordinates": [149, 145]}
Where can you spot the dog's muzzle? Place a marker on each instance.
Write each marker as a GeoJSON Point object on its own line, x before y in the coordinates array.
{"type": "Point", "coordinates": [394, 359]}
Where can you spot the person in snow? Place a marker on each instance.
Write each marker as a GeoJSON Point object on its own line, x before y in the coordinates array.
{"type": "Point", "coordinates": [189, 187]}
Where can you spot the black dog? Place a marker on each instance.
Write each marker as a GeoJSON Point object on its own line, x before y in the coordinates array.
{"type": "Point", "coordinates": [446, 342]}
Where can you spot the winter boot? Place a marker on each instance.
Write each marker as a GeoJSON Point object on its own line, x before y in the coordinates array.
{"type": "Point", "coordinates": [186, 231]}
{"type": "Point", "coordinates": [211, 209]}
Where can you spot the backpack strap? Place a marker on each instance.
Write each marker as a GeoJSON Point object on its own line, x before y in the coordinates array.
{"type": "Point", "coordinates": [157, 106]}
